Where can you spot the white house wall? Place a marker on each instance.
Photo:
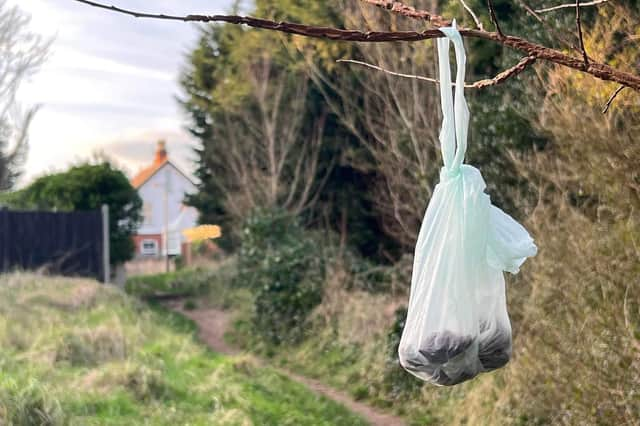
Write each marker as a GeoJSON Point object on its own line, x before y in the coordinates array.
{"type": "Point", "coordinates": [168, 179]}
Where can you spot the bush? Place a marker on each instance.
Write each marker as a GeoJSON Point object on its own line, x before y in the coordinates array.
{"type": "Point", "coordinates": [365, 275]}
{"type": "Point", "coordinates": [88, 187]}
{"type": "Point", "coordinates": [282, 264]}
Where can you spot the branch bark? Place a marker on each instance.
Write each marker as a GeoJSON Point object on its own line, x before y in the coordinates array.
{"type": "Point", "coordinates": [599, 70]}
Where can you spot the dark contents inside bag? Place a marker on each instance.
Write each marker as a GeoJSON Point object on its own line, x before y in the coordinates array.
{"type": "Point", "coordinates": [494, 348]}
{"type": "Point", "coordinates": [437, 350]}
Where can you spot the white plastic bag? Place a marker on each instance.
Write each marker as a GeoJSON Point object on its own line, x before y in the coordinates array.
{"type": "Point", "coordinates": [457, 323]}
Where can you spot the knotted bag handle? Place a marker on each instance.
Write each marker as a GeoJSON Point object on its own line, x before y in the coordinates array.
{"type": "Point", "coordinates": [455, 121]}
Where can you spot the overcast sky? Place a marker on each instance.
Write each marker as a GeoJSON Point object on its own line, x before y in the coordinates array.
{"type": "Point", "coordinates": [110, 83]}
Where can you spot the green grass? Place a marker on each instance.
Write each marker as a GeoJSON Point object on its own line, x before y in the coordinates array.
{"type": "Point", "coordinates": [75, 352]}
{"type": "Point", "coordinates": [187, 282]}
{"type": "Point", "coordinates": [193, 283]}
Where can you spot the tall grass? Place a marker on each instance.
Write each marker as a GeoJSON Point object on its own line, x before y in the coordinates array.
{"type": "Point", "coordinates": [76, 352]}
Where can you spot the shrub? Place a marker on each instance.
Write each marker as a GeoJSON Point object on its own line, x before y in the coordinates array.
{"type": "Point", "coordinates": [365, 275]}
{"type": "Point", "coordinates": [282, 264]}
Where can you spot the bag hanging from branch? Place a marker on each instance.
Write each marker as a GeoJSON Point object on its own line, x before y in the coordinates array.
{"type": "Point", "coordinates": [457, 323]}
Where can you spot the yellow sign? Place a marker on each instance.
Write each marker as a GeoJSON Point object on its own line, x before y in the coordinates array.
{"type": "Point", "coordinates": [202, 232]}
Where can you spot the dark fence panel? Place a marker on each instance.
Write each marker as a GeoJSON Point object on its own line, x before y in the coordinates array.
{"type": "Point", "coordinates": [67, 243]}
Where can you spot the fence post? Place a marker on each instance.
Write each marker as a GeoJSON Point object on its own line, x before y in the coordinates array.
{"type": "Point", "coordinates": [4, 239]}
{"type": "Point", "coordinates": [106, 262]}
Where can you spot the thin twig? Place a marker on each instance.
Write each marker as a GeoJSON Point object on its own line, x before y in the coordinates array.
{"type": "Point", "coordinates": [579, 25]}
{"type": "Point", "coordinates": [473, 15]}
{"type": "Point", "coordinates": [513, 71]}
{"type": "Point", "coordinates": [611, 98]}
{"type": "Point", "coordinates": [394, 73]}
{"type": "Point", "coordinates": [550, 28]}
{"type": "Point", "coordinates": [598, 70]}
{"type": "Point", "coordinates": [571, 5]}
{"type": "Point", "coordinates": [494, 19]}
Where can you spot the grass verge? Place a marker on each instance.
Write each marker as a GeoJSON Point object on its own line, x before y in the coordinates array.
{"type": "Point", "coordinates": [75, 352]}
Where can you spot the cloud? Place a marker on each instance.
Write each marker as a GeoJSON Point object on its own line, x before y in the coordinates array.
{"type": "Point", "coordinates": [137, 150]}
{"type": "Point", "coordinates": [110, 83]}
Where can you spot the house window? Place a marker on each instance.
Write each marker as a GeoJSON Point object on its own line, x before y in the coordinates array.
{"type": "Point", "coordinates": [149, 248]}
{"type": "Point", "coordinates": [147, 213]}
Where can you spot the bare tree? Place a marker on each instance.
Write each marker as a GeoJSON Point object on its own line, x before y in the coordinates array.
{"type": "Point", "coordinates": [397, 121]}
{"type": "Point", "coordinates": [21, 54]}
{"type": "Point", "coordinates": [265, 161]}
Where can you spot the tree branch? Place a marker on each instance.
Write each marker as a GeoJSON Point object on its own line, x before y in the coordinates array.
{"type": "Point", "coordinates": [410, 12]}
{"type": "Point", "coordinates": [473, 15]}
{"type": "Point", "coordinates": [545, 24]}
{"type": "Point", "coordinates": [598, 70]}
{"type": "Point", "coordinates": [611, 98]}
{"type": "Point", "coordinates": [494, 19]}
{"type": "Point", "coordinates": [570, 5]}
{"type": "Point", "coordinates": [579, 25]}
{"type": "Point", "coordinates": [510, 72]}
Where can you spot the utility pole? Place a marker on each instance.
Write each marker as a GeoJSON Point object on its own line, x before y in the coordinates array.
{"type": "Point", "coordinates": [106, 261]}
{"type": "Point", "coordinates": [166, 218]}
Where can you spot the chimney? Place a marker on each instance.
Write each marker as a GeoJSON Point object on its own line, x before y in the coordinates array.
{"type": "Point", "coordinates": [161, 152]}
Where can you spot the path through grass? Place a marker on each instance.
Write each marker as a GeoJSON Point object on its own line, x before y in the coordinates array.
{"type": "Point", "coordinates": [76, 352]}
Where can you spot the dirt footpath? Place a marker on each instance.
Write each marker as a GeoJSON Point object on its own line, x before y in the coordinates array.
{"type": "Point", "coordinates": [213, 323]}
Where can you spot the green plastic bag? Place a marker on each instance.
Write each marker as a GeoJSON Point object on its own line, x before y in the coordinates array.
{"type": "Point", "coordinates": [457, 323]}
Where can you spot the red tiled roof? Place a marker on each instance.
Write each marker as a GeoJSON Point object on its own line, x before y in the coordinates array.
{"type": "Point", "coordinates": [159, 161]}
{"type": "Point", "coordinates": [146, 173]}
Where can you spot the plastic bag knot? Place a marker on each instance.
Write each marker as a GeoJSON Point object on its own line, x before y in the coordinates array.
{"type": "Point", "coordinates": [446, 174]}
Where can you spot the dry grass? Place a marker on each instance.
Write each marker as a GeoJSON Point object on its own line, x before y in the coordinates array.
{"type": "Point", "coordinates": [77, 352]}
{"type": "Point", "coordinates": [357, 317]}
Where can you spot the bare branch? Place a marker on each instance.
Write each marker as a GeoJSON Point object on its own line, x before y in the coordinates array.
{"type": "Point", "coordinates": [285, 27]}
{"type": "Point", "coordinates": [473, 15]}
{"type": "Point", "coordinates": [513, 71]}
{"type": "Point", "coordinates": [397, 74]}
{"type": "Point", "coordinates": [571, 5]}
{"type": "Point", "coordinates": [410, 12]}
{"type": "Point", "coordinates": [598, 70]}
{"type": "Point", "coordinates": [508, 73]}
{"type": "Point", "coordinates": [611, 98]}
{"type": "Point", "coordinates": [550, 28]}
{"type": "Point", "coordinates": [494, 19]}
{"type": "Point", "coordinates": [579, 25]}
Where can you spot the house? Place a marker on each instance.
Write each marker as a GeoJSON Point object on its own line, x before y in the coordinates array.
{"type": "Point", "coordinates": [162, 187]}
